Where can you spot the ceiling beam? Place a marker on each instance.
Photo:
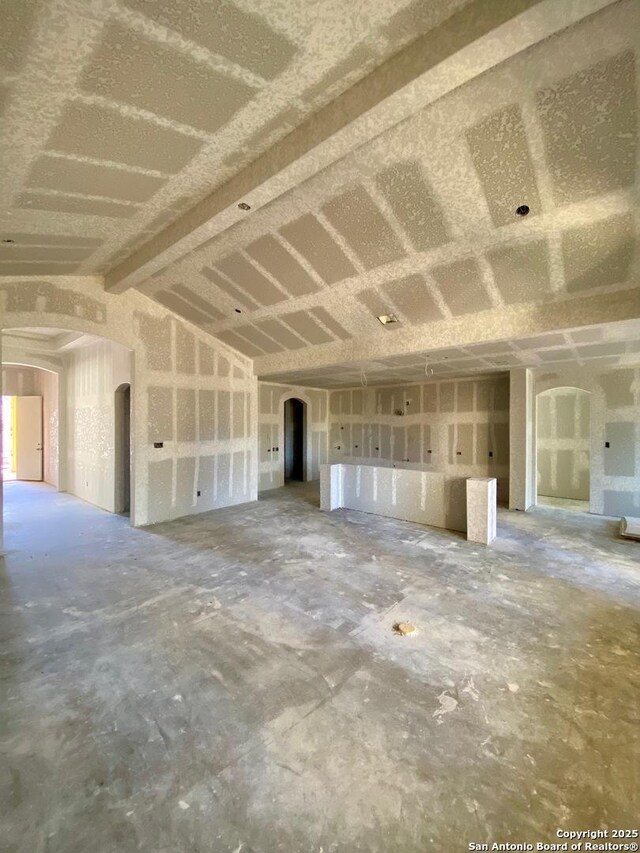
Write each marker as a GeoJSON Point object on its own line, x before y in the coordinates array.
{"type": "Point", "coordinates": [480, 36]}
{"type": "Point", "coordinates": [515, 321]}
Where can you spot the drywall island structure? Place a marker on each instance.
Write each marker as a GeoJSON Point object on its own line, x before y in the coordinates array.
{"type": "Point", "coordinates": [467, 505]}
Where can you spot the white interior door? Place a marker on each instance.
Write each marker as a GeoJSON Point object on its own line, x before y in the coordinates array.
{"type": "Point", "coordinates": [28, 438]}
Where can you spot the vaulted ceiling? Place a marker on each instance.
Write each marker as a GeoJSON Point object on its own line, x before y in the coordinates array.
{"type": "Point", "coordinates": [120, 114]}
{"type": "Point", "coordinates": [382, 148]}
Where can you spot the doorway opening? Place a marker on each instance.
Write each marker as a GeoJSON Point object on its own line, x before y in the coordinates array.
{"type": "Point", "coordinates": [122, 446]}
{"type": "Point", "coordinates": [22, 438]}
{"type": "Point", "coordinates": [86, 446]}
{"type": "Point", "coordinates": [294, 440]}
{"type": "Point", "coordinates": [563, 438]}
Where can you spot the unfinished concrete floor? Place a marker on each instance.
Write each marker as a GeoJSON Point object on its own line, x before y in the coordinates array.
{"type": "Point", "coordinates": [231, 682]}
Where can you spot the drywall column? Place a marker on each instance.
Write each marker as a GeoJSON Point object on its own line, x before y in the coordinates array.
{"type": "Point", "coordinates": [481, 509]}
{"type": "Point", "coordinates": [331, 487]}
{"type": "Point", "coordinates": [522, 444]}
{"type": "Point", "coordinates": [62, 431]}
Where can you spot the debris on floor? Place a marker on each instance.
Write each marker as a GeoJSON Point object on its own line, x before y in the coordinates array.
{"type": "Point", "coordinates": [404, 628]}
{"type": "Point", "coordinates": [447, 705]}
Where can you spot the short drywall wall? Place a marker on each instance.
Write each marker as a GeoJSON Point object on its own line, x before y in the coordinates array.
{"type": "Point", "coordinates": [614, 457]}
{"type": "Point", "coordinates": [456, 427]}
{"type": "Point", "coordinates": [271, 431]}
{"type": "Point", "coordinates": [424, 497]}
{"type": "Point", "coordinates": [563, 443]}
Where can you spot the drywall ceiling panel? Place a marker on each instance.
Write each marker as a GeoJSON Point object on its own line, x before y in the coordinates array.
{"type": "Point", "coordinates": [496, 139]}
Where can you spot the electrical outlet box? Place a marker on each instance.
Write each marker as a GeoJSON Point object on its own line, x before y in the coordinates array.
{"type": "Point", "coordinates": [158, 444]}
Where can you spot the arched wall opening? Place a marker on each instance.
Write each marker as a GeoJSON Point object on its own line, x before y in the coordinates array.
{"type": "Point", "coordinates": [86, 409]}
{"type": "Point", "coordinates": [304, 445]}
{"type": "Point", "coordinates": [193, 398]}
{"type": "Point", "coordinates": [295, 440]}
{"type": "Point", "coordinates": [563, 438]}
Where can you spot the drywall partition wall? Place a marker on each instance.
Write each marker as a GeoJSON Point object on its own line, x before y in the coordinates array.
{"type": "Point", "coordinates": [50, 426]}
{"type": "Point", "coordinates": [425, 497]}
{"type": "Point", "coordinates": [271, 431]}
{"type": "Point", "coordinates": [522, 440]}
{"type": "Point", "coordinates": [93, 373]}
{"type": "Point", "coordinates": [562, 441]}
{"type": "Point", "coordinates": [615, 433]}
{"type": "Point", "coordinates": [192, 396]}
{"type": "Point", "coordinates": [457, 427]}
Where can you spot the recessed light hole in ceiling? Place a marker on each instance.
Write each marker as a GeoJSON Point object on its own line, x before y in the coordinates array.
{"type": "Point", "coordinates": [244, 206]}
{"type": "Point", "coordinates": [387, 319]}
{"type": "Point", "coordinates": [522, 210]}
{"type": "Point", "coordinates": [238, 310]}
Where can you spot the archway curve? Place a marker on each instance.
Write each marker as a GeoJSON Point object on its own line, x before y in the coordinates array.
{"type": "Point", "coordinates": [553, 386]}
{"type": "Point", "coordinates": [35, 363]}
{"type": "Point", "coordinates": [15, 321]}
{"type": "Point", "coordinates": [563, 443]}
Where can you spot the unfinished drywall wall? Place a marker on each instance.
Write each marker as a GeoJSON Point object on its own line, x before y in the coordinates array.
{"type": "Point", "coordinates": [193, 396]}
{"type": "Point", "coordinates": [522, 439]}
{"type": "Point", "coordinates": [457, 427]}
{"type": "Point", "coordinates": [50, 427]}
{"type": "Point", "coordinates": [615, 432]}
{"type": "Point", "coordinates": [271, 431]}
{"type": "Point", "coordinates": [562, 417]}
{"type": "Point", "coordinates": [93, 372]}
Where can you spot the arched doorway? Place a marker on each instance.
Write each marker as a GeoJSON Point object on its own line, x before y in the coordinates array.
{"type": "Point", "coordinates": [294, 440]}
{"type": "Point", "coordinates": [122, 448]}
{"type": "Point", "coordinates": [84, 381]}
{"type": "Point", "coordinates": [563, 438]}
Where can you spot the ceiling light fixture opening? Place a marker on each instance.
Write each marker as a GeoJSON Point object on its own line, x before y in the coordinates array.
{"type": "Point", "coordinates": [522, 210]}
{"type": "Point", "coordinates": [238, 310]}
{"type": "Point", "coordinates": [388, 319]}
{"type": "Point", "coordinates": [244, 206]}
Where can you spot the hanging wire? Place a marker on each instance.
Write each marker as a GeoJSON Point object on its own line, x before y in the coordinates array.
{"type": "Point", "coordinates": [363, 378]}
{"type": "Point", "coordinates": [428, 370]}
